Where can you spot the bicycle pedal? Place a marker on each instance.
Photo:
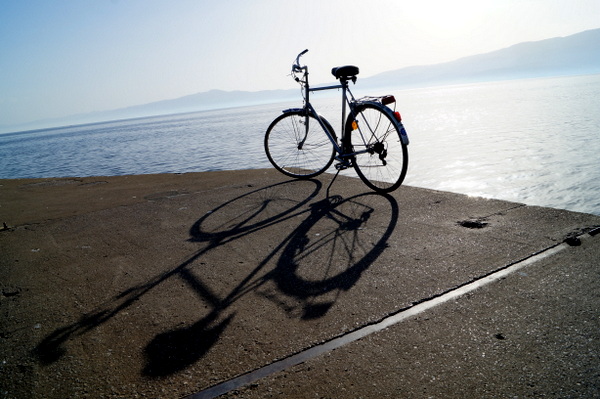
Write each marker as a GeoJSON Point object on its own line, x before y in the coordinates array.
{"type": "Point", "coordinates": [342, 165]}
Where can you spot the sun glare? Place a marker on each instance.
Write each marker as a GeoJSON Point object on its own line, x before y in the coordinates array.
{"type": "Point", "coordinates": [447, 19]}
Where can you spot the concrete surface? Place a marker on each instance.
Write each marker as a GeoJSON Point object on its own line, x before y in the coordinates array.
{"type": "Point", "coordinates": [166, 285]}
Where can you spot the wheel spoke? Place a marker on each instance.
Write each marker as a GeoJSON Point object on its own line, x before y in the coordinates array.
{"type": "Point", "coordinates": [383, 166]}
{"type": "Point", "coordinates": [296, 152]}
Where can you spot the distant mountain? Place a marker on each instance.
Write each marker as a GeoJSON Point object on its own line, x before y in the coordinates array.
{"type": "Point", "coordinates": [577, 54]}
{"type": "Point", "coordinates": [213, 99]}
{"type": "Point", "coordinates": [572, 55]}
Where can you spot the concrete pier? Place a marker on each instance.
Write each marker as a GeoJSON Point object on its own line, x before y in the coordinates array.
{"type": "Point", "coordinates": [247, 284]}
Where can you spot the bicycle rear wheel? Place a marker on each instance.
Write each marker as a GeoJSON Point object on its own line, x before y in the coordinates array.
{"type": "Point", "coordinates": [295, 152]}
{"type": "Point", "coordinates": [381, 158]}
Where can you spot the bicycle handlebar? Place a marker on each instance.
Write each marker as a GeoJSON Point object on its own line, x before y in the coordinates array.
{"type": "Point", "coordinates": [296, 67]}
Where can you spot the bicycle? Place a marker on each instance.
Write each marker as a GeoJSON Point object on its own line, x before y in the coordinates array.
{"type": "Point", "coordinates": [300, 143]}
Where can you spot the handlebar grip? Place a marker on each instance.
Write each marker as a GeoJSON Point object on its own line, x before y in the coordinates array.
{"type": "Point", "coordinates": [296, 67]}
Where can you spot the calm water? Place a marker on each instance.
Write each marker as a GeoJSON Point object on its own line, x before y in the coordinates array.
{"type": "Point", "coordinates": [531, 141]}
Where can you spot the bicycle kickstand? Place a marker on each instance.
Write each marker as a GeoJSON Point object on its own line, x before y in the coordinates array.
{"type": "Point", "coordinates": [332, 180]}
{"type": "Point", "coordinates": [341, 165]}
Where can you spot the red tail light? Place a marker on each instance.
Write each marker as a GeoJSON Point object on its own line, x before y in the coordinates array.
{"type": "Point", "coordinates": [398, 116]}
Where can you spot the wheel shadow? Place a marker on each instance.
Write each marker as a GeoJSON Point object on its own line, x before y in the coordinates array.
{"type": "Point", "coordinates": [271, 205]}
{"type": "Point", "coordinates": [326, 254]}
{"type": "Point", "coordinates": [331, 248]}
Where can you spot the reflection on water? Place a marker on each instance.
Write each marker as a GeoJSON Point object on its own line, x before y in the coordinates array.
{"type": "Point", "coordinates": [533, 141]}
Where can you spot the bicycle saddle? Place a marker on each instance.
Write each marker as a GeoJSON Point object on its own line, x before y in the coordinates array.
{"type": "Point", "coordinates": [345, 72]}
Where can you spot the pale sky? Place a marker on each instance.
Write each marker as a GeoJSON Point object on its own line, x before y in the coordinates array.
{"type": "Point", "coordinates": [65, 57]}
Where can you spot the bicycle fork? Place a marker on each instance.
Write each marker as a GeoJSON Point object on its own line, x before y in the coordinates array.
{"type": "Point", "coordinates": [306, 127]}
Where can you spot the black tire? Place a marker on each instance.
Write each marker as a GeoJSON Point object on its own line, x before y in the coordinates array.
{"type": "Point", "coordinates": [383, 166]}
{"type": "Point", "coordinates": [282, 145]}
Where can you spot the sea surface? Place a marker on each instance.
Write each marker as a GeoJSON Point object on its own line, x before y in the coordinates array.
{"type": "Point", "coordinates": [534, 141]}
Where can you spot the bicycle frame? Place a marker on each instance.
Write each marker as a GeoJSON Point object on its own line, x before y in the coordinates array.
{"type": "Point", "coordinates": [310, 111]}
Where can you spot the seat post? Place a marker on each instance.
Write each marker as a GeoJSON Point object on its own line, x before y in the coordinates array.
{"type": "Point", "coordinates": [344, 83]}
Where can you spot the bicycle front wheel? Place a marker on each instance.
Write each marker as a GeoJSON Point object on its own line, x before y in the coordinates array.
{"type": "Point", "coordinates": [295, 151]}
{"type": "Point", "coordinates": [380, 157]}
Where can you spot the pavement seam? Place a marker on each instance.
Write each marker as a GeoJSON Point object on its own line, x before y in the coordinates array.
{"type": "Point", "coordinates": [386, 322]}
{"type": "Point", "coordinates": [504, 211]}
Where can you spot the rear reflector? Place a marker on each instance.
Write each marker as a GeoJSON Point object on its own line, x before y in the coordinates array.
{"type": "Point", "coordinates": [388, 100]}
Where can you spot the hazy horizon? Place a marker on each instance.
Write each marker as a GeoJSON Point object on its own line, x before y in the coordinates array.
{"type": "Point", "coordinates": [65, 58]}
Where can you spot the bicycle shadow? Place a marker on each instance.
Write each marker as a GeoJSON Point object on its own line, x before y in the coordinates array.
{"type": "Point", "coordinates": [309, 266]}
{"type": "Point", "coordinates": [336, 254]}
{"type": "Point", "coordinates": [270, 205]}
